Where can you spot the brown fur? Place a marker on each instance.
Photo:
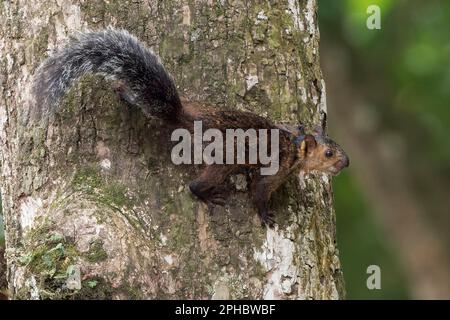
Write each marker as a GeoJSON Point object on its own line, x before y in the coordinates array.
{"type": "Point", "coordinates": [210, 186]}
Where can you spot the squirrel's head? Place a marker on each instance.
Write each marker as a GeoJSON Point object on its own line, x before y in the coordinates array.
{"type": "Point", "coordinates": [320, 153]}
{"type": "Point", "coordinates": [317, 152]}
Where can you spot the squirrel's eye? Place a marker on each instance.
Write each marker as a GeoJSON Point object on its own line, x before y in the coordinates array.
{"type": "Point", "coordinates": [329, 153]}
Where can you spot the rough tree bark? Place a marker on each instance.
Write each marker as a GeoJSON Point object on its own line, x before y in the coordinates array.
{"type": "Point", "coordinates": [96, 192]}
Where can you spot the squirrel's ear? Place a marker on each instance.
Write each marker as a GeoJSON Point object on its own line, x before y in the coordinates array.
{"type": "Point", "coordinates": [308, 144]}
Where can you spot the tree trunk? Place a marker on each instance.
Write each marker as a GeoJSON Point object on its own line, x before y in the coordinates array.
{"type": "Point", "coordinates": [94, 207]}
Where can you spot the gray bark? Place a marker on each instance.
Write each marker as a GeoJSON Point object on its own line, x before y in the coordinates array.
{"type": "Point", "coordinates": [96, 192]}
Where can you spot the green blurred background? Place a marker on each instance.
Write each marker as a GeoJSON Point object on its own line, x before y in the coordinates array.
{"type": "Point", "coordinates": [388, 93]}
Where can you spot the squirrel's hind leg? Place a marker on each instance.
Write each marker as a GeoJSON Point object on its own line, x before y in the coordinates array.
{"type": "Point", "coordinates": [261, 190]}
{"type": "Point", "coordinates": [210, 186]}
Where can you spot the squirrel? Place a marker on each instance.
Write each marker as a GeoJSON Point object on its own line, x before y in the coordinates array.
{"type": "Point", "coordinates": [142, 81]}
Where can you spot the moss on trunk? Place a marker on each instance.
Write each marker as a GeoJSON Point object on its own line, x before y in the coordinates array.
{"type": "Point", "coordinates": [100, 176]}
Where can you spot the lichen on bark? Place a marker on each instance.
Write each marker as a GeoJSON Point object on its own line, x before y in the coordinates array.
{"type": "Point", "coordinates": [100, 174]}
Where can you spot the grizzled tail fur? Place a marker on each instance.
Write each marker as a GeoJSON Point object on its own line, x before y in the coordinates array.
{"type": "Point", "coordinates": [116, 55]}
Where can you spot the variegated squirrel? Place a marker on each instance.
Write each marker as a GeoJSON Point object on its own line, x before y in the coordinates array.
{"type": "Point", "coordinates": [141, 79]}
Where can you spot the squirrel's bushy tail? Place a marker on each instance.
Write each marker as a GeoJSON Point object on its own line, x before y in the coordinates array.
{"type": "Point", "coordinates": [117, 55]}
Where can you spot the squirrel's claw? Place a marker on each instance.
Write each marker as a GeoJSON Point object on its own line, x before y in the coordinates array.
{"type": "Point", "coordinates": [267, 219]}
